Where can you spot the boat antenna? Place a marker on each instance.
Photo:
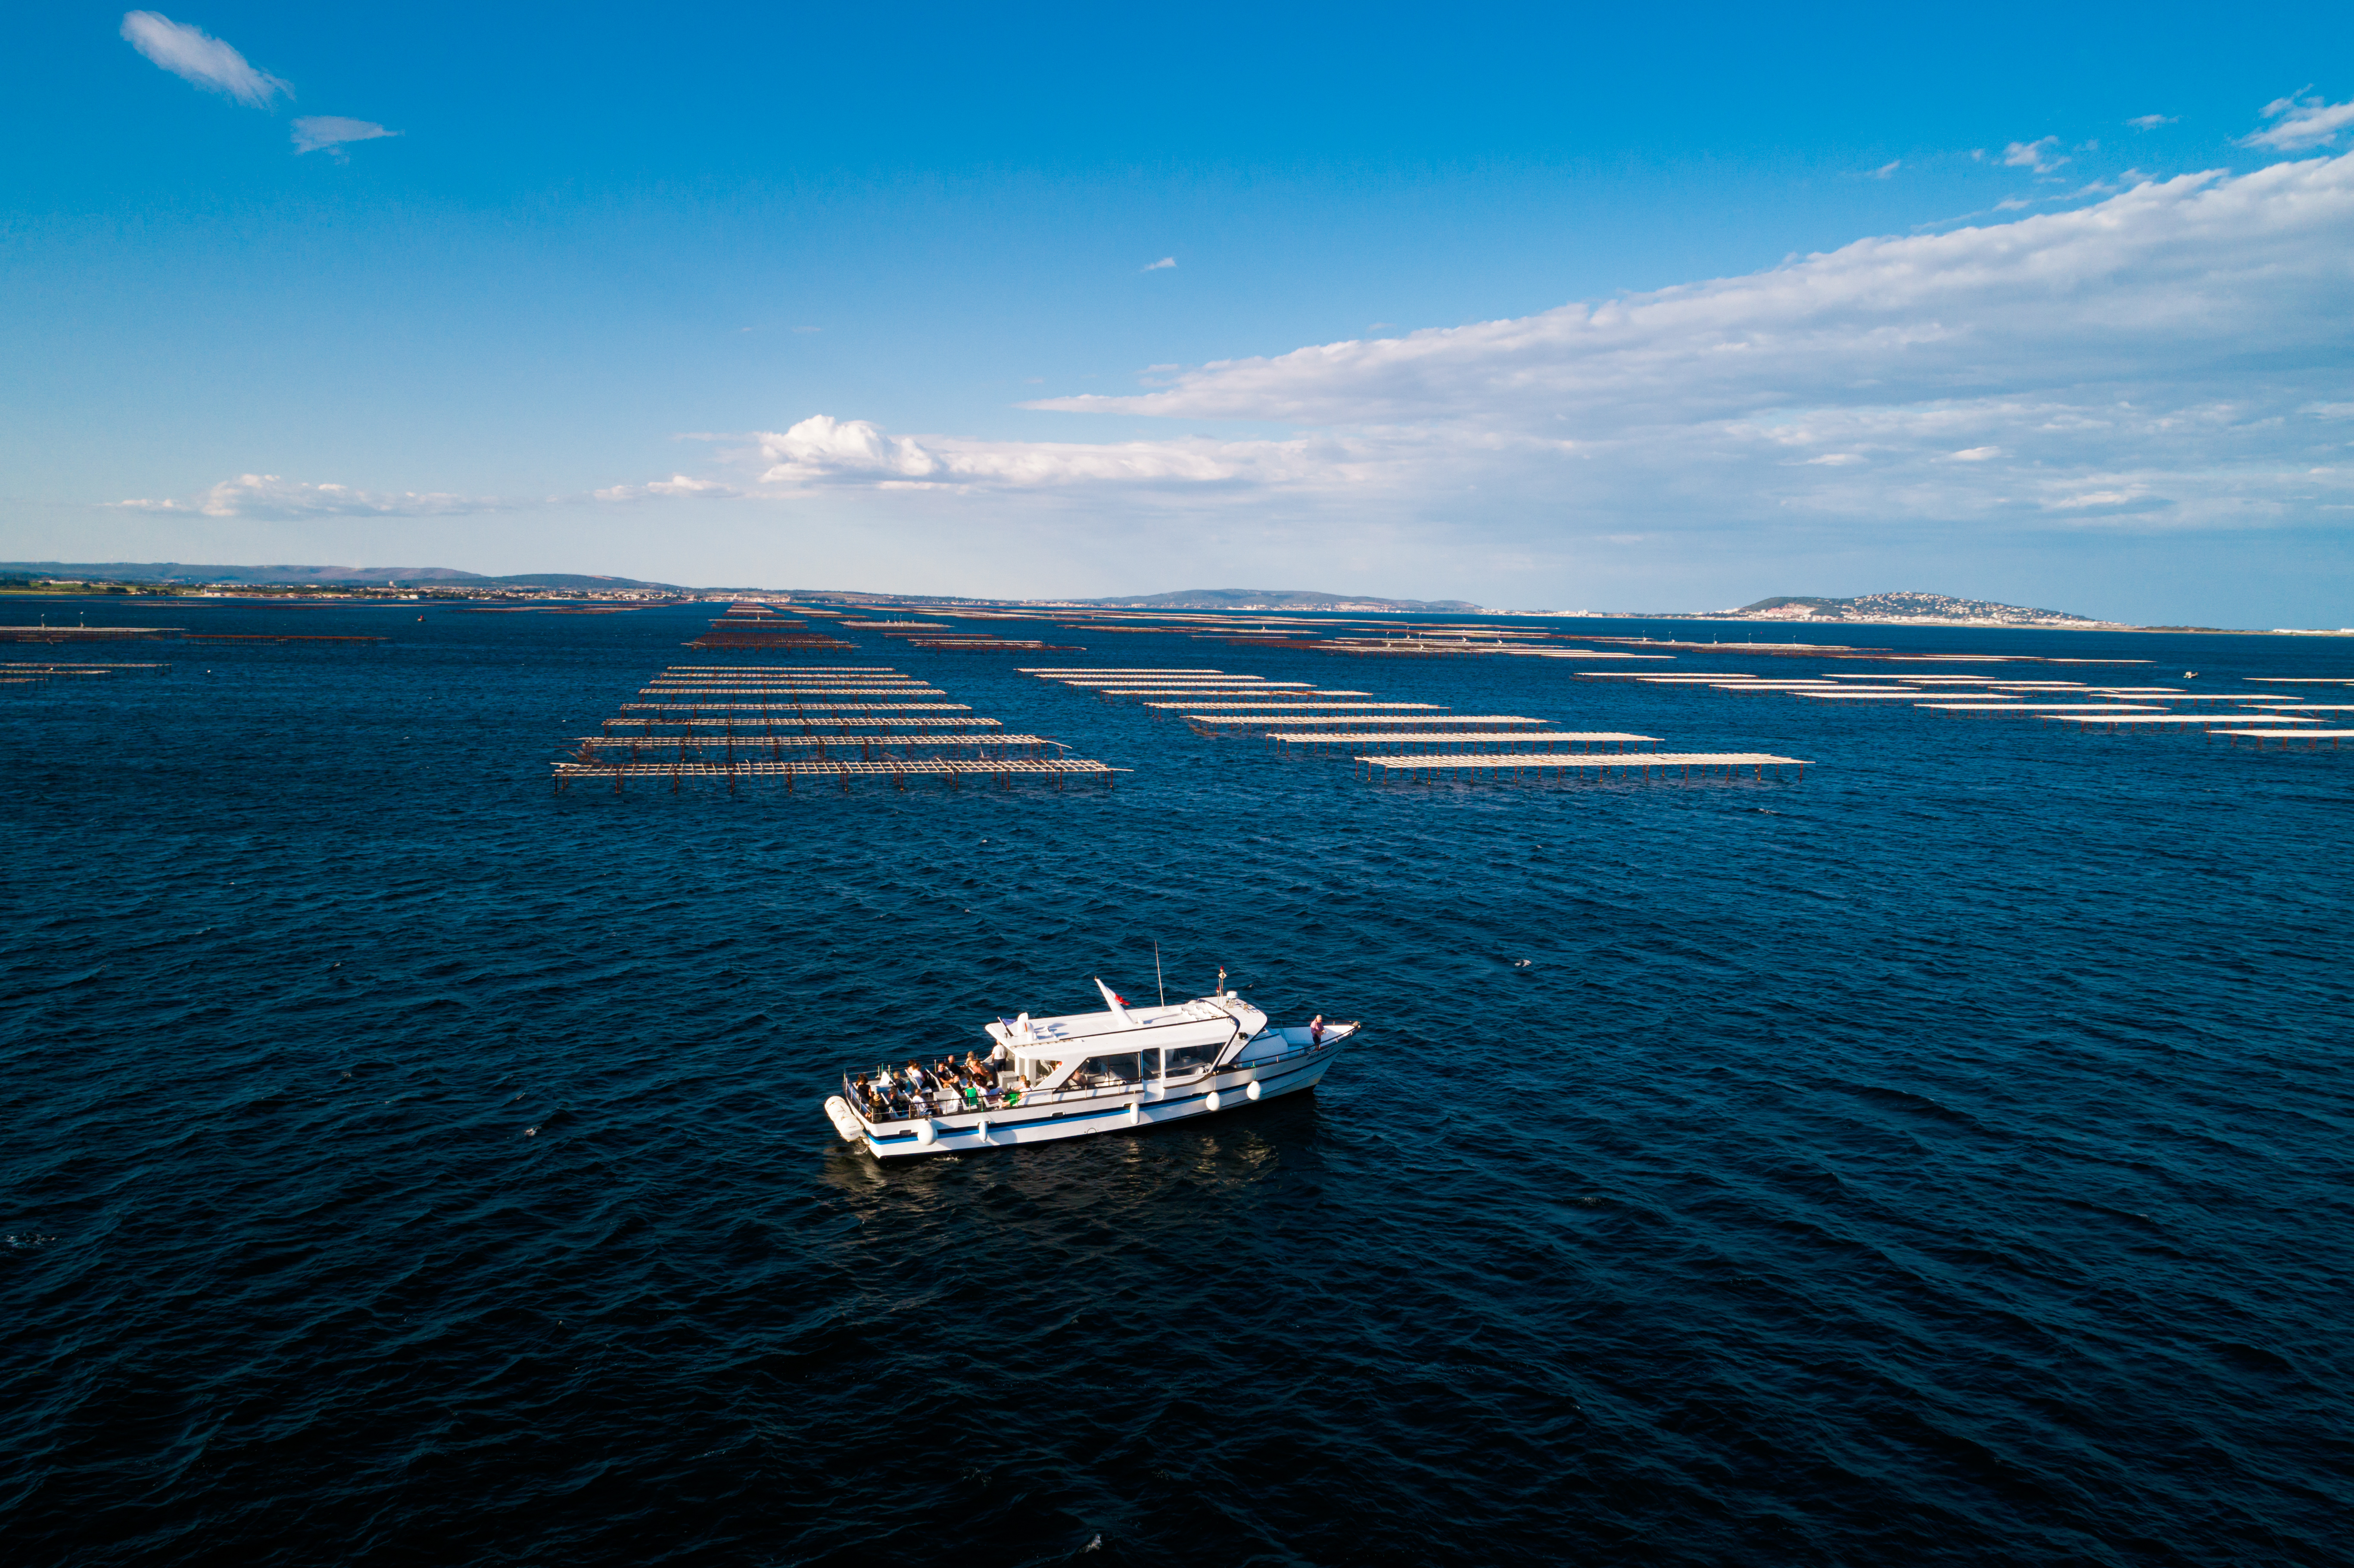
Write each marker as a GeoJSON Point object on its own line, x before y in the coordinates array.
{"type": "Point", "coordinates": [1156, 983]}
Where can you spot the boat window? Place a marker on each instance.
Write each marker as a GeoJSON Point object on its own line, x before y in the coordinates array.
{"type": "Point", "coordinates": [1188, 1058]}
{"type": "Point", "coordinates": [1103, 1071]}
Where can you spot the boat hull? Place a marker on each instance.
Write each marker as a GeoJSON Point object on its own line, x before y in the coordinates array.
{"type": "Point", "coordinates": [1051, 1122]}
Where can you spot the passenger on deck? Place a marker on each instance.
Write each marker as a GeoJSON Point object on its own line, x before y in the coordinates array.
{"type": "Point", "coordinates": [978, 1071]}
{"type": "Point", "coordinates": [916, 1077]}
{"type": "Point", "coordinates": [1315, 1030]}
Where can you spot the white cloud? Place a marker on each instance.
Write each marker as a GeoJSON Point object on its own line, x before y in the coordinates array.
{"type": "Point", "coordinates": [195, 56]}
{"type": "Point", "coordinates": [2151, 121]}
{"type": "Point", "coordinates": [2161, 360]}
{"type": "Point", "coordinates": [267, 496]}
{"type": "Point", "coordinates": [821, 449]}
{"type": "Point", "coordinates": [312, 132]}
{"type": "Point", "coordinates": [676, 485]}
{"type": "Point", "coordinates": [1887, 168]}
{"type": "Point", "coordinates": [2145, 284]}
{"type": "Point", "coordinates": [2303, 123]}
{"type": "Point", "coordinates": [2155, 340]}
{"type": "Point", "coordinates": [2036, 155]}
{"type": "Point", "coordinates": [1157, 266]}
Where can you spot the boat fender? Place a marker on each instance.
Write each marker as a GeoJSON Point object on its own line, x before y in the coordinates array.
{"type": "Point", "coordinates": [1253, 1090]}
{"type": "Point", "coordinates": [1210, 1100]}
{"type": "Point", "coordinates": [924, 1133]}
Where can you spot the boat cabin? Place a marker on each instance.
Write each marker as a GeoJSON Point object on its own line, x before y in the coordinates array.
{"type": "Point", "coordinates": [1126, 1045]}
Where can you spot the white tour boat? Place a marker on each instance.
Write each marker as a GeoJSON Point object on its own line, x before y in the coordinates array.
{"type": "Point", "coordinates": [1094, 1072]}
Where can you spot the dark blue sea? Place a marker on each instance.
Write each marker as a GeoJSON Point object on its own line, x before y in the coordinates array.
{"type": "Point", "coordinates": [1943, 1160]}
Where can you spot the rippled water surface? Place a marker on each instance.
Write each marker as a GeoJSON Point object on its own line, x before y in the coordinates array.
{"type": "Point", "coordinates": [1943, 1160]}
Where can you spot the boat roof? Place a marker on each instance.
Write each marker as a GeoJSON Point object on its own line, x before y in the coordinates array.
{"type": "Point", "coordinates": [1069, 1027]}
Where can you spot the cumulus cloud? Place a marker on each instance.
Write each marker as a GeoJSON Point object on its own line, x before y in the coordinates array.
{"type": "Point", "coordinates": [2300, 123]}
{"type": "Point", "coordinates": [2151, 121]}
{"type": "Point", "coordinates": [1157, 266]}
{"type": "Point", "coordinates": [267, 496]}
{"type": "Point", "coordinates": [823, 450]}
{"type": "Point", "coordinates": [1976, 454]}
{"type": "Point", "coordinates": [333, 132]}
{"type": "Point", "coordinates": [194, 55]}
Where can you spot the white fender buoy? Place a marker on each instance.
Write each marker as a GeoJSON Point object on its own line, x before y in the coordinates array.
{"type": "Point", "coordinates": [1253, 1090]}
{"type": "Point", "coordinates": [981, 1127]}
{"type": "Point", "coordinates": [1210, 1100]}
{"type": "Point", "coordinates": [837, 1111]}
{"type": "Point", "coordinates": [924, 1133]}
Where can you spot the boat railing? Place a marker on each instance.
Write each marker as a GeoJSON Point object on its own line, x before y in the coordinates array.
{"type": "Point", "coordinates": [1121, 1089]}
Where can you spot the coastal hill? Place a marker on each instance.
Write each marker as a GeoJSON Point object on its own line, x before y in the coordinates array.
{"type": "Point", "coordinates": [1265, 599]}
{"type": "Point", "coordinates": [355, 577]}
{"type": "Point", "coordinates": [1942, 609]}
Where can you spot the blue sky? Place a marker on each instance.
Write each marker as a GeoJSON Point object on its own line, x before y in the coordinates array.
{"type": "Point", "coordinates": [1551, 308]}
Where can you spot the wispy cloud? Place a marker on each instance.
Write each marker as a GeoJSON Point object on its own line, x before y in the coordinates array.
{"type": "Point", "coordinates": [333, 132]}
{"type": "Point", "coordinates": [268, 496]}
{"type": "Point", "coordinates": [2036, 155]}
{"type": "Point", "coordinates": [1888, 168]}
{"type": "Point", "coordinates": [2146, 280]}
{"type": "Point", "coordinates": [194, 55]}
{"type": "Point", "coordinates": [2302, 122]}
{"type": "Point", "coordinates": [677, 486]}
{"type": "Point", "coordinates": [2151, 121]}
{"type": "Point", "coordinates": [2180, 316]}
{"type": "Point", "coordinates": [1157, 266]}
{"type": "Point", "coordinates": [2168, 359]}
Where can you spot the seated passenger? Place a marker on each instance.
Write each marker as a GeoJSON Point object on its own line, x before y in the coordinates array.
{"type": "Point", "coordinates": [979, 1070]}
